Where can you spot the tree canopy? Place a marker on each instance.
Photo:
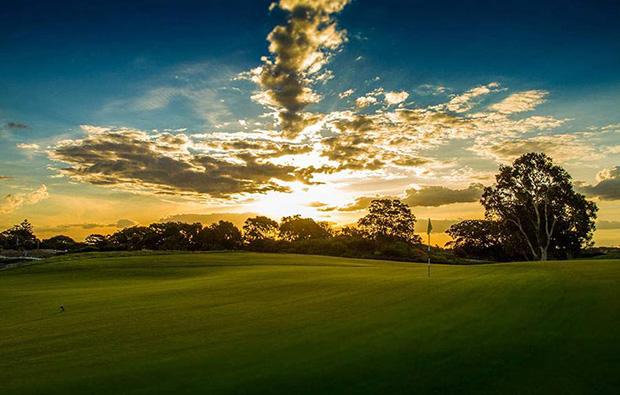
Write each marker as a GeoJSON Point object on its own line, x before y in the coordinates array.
{"type": "Point", "coordinates": [260, 228]}
{"type": "Point", "coordinates": [390, 219]}
{"type": "Point", "coordinates": [534, 200]}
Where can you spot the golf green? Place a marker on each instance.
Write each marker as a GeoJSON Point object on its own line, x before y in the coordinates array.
{"type": "Point", "coordinates": [242, 323]}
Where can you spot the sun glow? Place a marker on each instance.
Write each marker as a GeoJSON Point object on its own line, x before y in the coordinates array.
{"type": "Point", "coordinates": [306, 200]}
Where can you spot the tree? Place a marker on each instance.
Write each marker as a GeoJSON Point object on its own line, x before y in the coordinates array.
{"type": "Point", "coordinates": [98, 241]}
{"type": "Point", "coordinates": [223, 235]}
{"type": "Point", "coordinates": [133, 238]}
{"type": "Point", "coordinates": [478, 238]}
{"type": "Point", "coordinates": [172, 236]}
{"type": "Point", "coordinates": [20, 236]}
{"type": "Point", "coordinates": [296, 228]}
{"type": "Point", "coordinates": [59, 242]}
{"type": "Point", "coordinates": [390, 219]}
{"type": "Point", "coordinates": [534, 200]}
{"type": "Point", "coordinates": [260, 228]}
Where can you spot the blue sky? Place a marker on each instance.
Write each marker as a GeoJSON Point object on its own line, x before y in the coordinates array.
{"type": "Point", "coordinates": [178, 67]}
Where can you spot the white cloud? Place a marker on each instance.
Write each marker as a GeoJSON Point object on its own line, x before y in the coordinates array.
{"type": "Point", "coordinates": [28, 146]}
{"type": "Point", "coordinates": [346, 93]}
{"type": "Point", "coordinates": [12, 202]}
{"type": "Point", "coordinates": [561, 147]}
{"type": "Point", "coordinates": [520, 101]}
{"type": "Point", "coordinates": [466, 101]}
{"type": "Point", "coordinates": [396, 97]}
{"type": "Point", "coordinates": [365, 101]}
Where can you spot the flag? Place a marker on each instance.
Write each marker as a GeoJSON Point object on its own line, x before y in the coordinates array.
{"type": "Point", "coordinates": [430, 227]}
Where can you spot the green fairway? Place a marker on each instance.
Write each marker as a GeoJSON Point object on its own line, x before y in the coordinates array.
{"type": "Point", "coordinates": [263, 323]}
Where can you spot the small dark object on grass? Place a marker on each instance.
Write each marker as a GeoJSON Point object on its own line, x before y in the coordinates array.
{"type": "Point", "coordinates": [62, 309]}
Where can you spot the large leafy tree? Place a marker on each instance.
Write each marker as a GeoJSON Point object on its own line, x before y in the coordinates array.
{"type": "Point", "coordinates": [260, 228]}
{"type": "Point", "coordinates": [534, 199]}
{"type": "Point", "coordinates": [389, 219]}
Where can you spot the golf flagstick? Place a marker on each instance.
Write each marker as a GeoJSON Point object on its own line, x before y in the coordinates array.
{"type": "Point", "coordinates": [428, 230]}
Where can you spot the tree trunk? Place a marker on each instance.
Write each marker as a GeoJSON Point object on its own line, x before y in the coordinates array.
{"type": "Point", "coordinates": [543, 253]}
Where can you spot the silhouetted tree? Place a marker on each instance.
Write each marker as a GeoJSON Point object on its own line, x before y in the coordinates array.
{"type": "Point", "coordinates": [59, 242]}
{"type": "Point", "coordinates": [389, 219]}
{"type": "Point", "coordinates": [132, 238]}
{"type": "Point", "coordinates": [260, 228]}
{"type": "Point", "coordinates": [223, 235]}
{"type": "Point", "coordinates": [296, 228]}
{"type": "Point", "coordinates": [173, 236]}
{"type": "Point", "coordinates": [98, 241]}
{"type": "Point", "coordinates": [479, 238]}
{"type": "Point", "coordinates": [20, 237]}
{"type": "Point", "coordinates": [535, 200]}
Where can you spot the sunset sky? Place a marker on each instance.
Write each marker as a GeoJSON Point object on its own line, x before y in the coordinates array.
{"type": "Point", "coordinates": [131, 112]}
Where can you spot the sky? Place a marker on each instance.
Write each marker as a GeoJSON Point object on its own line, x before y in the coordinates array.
{"type": "Point", "coordinates": [120, 113]}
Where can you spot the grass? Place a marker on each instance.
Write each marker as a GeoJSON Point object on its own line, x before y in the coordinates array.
{"type": "Point", "coordinates": [240, 323]}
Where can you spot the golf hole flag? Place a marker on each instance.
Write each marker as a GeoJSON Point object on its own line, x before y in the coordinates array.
{"type": "Point", "coordinates": [430, 227]}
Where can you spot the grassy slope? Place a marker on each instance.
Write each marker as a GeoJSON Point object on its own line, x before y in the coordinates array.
{"type": "Point", "coordinates": [260, 323]}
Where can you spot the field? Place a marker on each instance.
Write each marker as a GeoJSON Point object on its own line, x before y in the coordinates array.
{"type": "Point", "coordinates": [247, 323]}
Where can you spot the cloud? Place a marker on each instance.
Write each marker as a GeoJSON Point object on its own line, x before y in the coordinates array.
{"type": "Point", "coordinates": [120, 224]}
{"type": "Point", "coordinates": [429, 196]}
{"type": "Point", "coordinates": [607, 187]}
{"type": "Point", "coordinates": [299, 51]}
{"type": "Point", "coordinates": [365, 101]}
{"type": "Point", "coordinates": [28, 146]}
{"type": "Point", "coordinates": [519, 102]}
{"type": "Point", "coordinates": [392, 98]}
{"type": "Point", "coordinates": [260, 148]}
{"type": "Point", "coordinates": [125, 223]}
{"type": "Point", "coordinates": [16, 125]}
{"type": "Point", "coordinates": [360, 203]}
{"type": "Point", "coordinates": [196, 86]}
{"type": "Point", "coordinates": [352, 152]}
{"type": "Point", "coordinates": [66, 227]}
{"type": "Point", "coordinates": [466, 101]}
{"type": "Point", "coordinates": [346, 93]}
{"type": "Point", "coordinates": [13, 202]}
{"type": "Point", "coordinates": [161, 163]}
{"type": "Point", "coordinates": [561, 147]}
{"type": "Point", "coordinates": [432, 90]}
{"type": "Point", "coordinates": [434, 196]}
{"type": "Point", "coordinates": [317, 204]}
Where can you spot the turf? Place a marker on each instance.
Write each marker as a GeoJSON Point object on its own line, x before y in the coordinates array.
{"type": "Point", "coordinates": [242, 323]}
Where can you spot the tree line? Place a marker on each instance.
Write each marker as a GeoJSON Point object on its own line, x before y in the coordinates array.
{"type": "Point", "coordinates": [532, 212]}
{"type": "Point", "coordinates": [387, 231]}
